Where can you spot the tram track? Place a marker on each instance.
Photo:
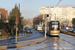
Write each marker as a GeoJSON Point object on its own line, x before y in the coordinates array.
{"type": "Point", "coordinates": [54, 46]}
{"type": "Point", "coordinates": [59, 44]}
{"type": "Point", "coordinates": [68, 42]}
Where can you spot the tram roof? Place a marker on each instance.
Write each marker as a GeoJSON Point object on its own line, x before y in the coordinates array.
{"type": "Point", "coordinates": [53, 21]}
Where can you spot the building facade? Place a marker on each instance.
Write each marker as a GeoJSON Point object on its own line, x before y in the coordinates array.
{"type": "Point", "coordinates": [62, 14]}
{"type": "Point", "coordinates": [3, 14]}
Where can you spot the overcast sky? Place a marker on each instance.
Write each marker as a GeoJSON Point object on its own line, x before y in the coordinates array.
{"type": "Point", "coordinates": [30, 8]}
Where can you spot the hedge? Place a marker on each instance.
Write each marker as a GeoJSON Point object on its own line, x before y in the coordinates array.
{"type": "Point", "coordinates": [67, 32]}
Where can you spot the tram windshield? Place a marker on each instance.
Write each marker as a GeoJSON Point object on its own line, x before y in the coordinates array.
{"type": "Point", "coordinates": [54, 25]}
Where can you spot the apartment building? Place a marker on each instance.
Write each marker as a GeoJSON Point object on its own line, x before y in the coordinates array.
{"type": "Point", "coordinates": [62, 14]}
{"type": "Point", "coordinates": [3, 14]}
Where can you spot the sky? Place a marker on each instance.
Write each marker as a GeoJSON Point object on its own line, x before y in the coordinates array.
{"type": "Point", "coordinates": [30, 8]}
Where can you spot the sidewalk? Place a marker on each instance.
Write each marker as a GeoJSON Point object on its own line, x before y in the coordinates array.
{"type": "Point", "coordinates": [23, 43]}
{"type": "Point", "coordinates": [21, 35]}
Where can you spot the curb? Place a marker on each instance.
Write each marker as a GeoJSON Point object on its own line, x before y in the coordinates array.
{"type": "Point", "coordinates": [17, 37]}
{"type": "Point", "coordinates": [20, 45]}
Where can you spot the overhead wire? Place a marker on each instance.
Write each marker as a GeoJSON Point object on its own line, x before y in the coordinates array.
{"type": "Point", "coordinates": [56, 5]}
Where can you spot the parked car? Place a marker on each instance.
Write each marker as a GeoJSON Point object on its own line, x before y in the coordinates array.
{"type": "Point", "coordinates": [67, 28]}
{"type": "Point", "coordinates": [73, 30]}
{"type": "Point", "coordinates": [70, 29]}
{"type": "Point", "coordinates": [28, 30]}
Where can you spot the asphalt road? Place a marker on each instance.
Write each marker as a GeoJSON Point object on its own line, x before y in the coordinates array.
{"type": "Point", "coordinates": [35, 35]}
{"type": "Point", "coordinates": [63, 42]}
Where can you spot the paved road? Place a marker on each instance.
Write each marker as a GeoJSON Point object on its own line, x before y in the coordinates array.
{"type": "Point", "coordinates": [35, 35]}
{"type": "Point", "coordinates": [68, 38]}
{"type": "Point", "coordinates": [64, 42]}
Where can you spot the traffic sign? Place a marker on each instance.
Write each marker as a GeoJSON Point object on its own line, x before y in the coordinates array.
{"type": "Point", "coordinates": [45, 16]}
{"type": "Point", "coordinates": [17, 19]}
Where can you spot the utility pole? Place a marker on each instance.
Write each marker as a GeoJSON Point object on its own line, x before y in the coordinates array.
{"type": "Point", "coordinates": [55, 16]}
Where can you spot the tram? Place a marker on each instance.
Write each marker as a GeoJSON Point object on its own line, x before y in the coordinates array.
{"type": "Point", "coordinates": [39, 28]}
{"type": "Point", "coordinates": [52, 28]}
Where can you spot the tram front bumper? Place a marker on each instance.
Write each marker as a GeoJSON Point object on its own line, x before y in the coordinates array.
{"type": "Point", "coordinates": [53, 32]}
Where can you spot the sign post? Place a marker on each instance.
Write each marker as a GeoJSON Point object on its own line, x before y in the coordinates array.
{"type": "Point", "coordinates": [17, 19]}
{"type": "Point", "coordinates": [45, 17]}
